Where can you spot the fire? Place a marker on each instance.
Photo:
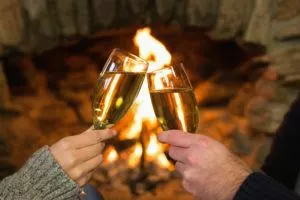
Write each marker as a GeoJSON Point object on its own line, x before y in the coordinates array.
{"type": "Point", "coordinates": [135, 156]}
{"type": "Point", "coordinates": [111, 155]}
{"type": "Point", "coordinates": [155, 152]}
{"type": "Point", "coordinates": [158, 57]}
{"type": "Point", "coordinates": [133, 131]}
{"type": "Point", "coordinates": [163, 162]}
{"type": "Point", "coordinates": [153, 147]}
{"type": "Point", "coordinates": [150, 47]}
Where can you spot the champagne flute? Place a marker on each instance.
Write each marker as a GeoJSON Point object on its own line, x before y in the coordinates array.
{"type": "Point", "coordinates": [173, 99]}
{"type": "Point", "coordinates": [118, 85]}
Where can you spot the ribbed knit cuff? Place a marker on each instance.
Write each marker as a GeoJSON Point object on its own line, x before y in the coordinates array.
{"type": "Point", "coordinates": [40, 178]}
{"type": "Point", "coordinates": [262, 187]}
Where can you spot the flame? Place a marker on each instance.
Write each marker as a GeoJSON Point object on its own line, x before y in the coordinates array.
{"type": "Point", "coordinates": [110, 155]}
{"type": "Point", "coordinates": [163, 162]}
{"type": "Point", "coordinates": [135, 156]}
{"type": "Point", "coordinates": [133, 131]}
{"type": "Point", "coordinates": [153, 147]}
{"type": "Point", "coordinates": [150, 47]}
{"type": "Point", "coordinates": [157, 56]}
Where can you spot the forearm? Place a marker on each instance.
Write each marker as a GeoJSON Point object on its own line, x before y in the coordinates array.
{"type": "Point", "coordinates": [282, 163]}
{"type": "Point", "coordinates": [261, 187]}
{"type": "Point", "coordinates": [41, 178]}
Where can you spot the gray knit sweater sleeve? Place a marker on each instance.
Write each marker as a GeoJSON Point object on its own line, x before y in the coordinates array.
{"type": "Point", "coordinates": [41, 178]}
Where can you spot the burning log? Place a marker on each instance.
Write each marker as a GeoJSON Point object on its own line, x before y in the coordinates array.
{"type": "Point", "coordinates": [121, 145]}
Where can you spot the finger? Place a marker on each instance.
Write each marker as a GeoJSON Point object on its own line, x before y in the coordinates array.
{"type": "Point", "coordinates": [85, 179]}
{"type": "Point", "coordinates": [83, 169]}
{"type": "Point", "coordinates": [89, 152]}
{"type": "Point", "coordinates": [177, 138]}
{"type": "Point", "coordinates": [180, 167]}
{"type": "Point", "coordinates": [178, 154]}
{"type": "Point", "coordinates": [91, 137]}
{"type": "Point", "coordinates": [91, 164]}
{"type": "Point", "coordinates": [101, 134]}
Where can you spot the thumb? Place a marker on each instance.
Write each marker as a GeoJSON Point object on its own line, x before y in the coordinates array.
{"type": "Point", "coordinates": [91, 137]}
{"type": "Point", "coordinates": [177, 138]}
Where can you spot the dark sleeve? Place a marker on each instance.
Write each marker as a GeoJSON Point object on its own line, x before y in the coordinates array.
{"type": "Point", "coordinates": [283, 162]}
{"type": "Point", "coordinates": [258, 186]}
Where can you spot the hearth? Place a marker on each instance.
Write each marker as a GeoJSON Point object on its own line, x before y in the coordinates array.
{"type": "Point", "coordinates": [54, 88]}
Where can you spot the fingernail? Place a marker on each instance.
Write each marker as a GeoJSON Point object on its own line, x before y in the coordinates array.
{"type": "Point", "coordinates": [163, 136]}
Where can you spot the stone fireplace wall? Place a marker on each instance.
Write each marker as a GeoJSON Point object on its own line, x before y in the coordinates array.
{"type": "Point", "coordinates": [272, 25]}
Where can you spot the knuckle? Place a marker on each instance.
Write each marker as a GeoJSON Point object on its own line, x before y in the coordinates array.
{"type": "Point", "coordinates": [171, 152]}
{"type": "Point", "coordinates": [191, 159]}
{"type": "Point", "coordinates": [66, 143]}
{"type": "Point", "coordinates": [72, 161]}
{"type": "Point", "coordinates": [98, 137]}
{"type": "Point", "coordinates": [187, 175]}
{"type": "Point", "coordinates": [204, 141]}
{"type": "Point", "coordinates": [77, 173]}
{"type": "Point", "coordinates": [170, 137]}
{"type": "Point", "coordinates": [178, 167]}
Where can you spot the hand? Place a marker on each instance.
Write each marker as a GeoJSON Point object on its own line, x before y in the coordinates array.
{"type": "Point", "coordinates": [208, 169]}
{"type": "Point", "coordinates": [80, 155]}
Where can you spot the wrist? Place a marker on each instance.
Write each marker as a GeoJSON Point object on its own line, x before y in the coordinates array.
{"type": "Point", "coordinates": [42, 174]}
{"type": "Point", "coordinates": [237, 183]}
{"type": "Point", "coordinates": [239, 174]}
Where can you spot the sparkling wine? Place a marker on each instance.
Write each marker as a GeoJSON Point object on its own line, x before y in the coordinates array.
{"type": "Point", "coordinates": [115, 93]}
{"type": "Point", "coordinates": [176, 109]}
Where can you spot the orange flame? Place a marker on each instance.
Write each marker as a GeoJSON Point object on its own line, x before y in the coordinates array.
{"type": "Point", "coordinates": [163, 162]}
{"type": "Point", "coordinates": [158, 56]}
{"type": "Point", "coordinates": [151, 47]}
{"type": "Point", "coordinates": [135, 156]}
{"type": "Point", "coordinates": [110, 155]}
{"type": "Point", "coordinates": [153, 147]}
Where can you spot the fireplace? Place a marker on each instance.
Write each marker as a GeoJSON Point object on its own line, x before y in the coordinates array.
{"type": "Point", "coordinates": [49, 76]}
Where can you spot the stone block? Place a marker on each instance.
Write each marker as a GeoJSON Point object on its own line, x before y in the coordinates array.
{"type": "Point", "coordinates": [258, 25]}
{"type": "Point", "coordinates": [83, 16]}
{"type": "Point", "coordinates": [287, 9]}
{"type": "Point", "coordinates": [266, 116]}
{"type": "Point", "coordinates": [291, 31]}
{"type": "Point", "coordinates": [66, 14]}
{"type": "Point", "coordinates": [138, 6]}
{"type": "Point", "coordinates": [103, 12]}
{"type": "Point", "coordinates": [10, 26]}
{"type": "Point", "coordinates": [202, 13]}
{"type": "Point", "coordinates": [165, 9]}
{"type": "Point", "coordinates": [6, 5]}
{"type": "Point", "coordinates": [179, 13]}
{"type": "Point", "coordinates": [232, 18]}
{"type": "Point", "coordinates": [241, 144]}
{"type": "Point", "coordinates": [41, 20]}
